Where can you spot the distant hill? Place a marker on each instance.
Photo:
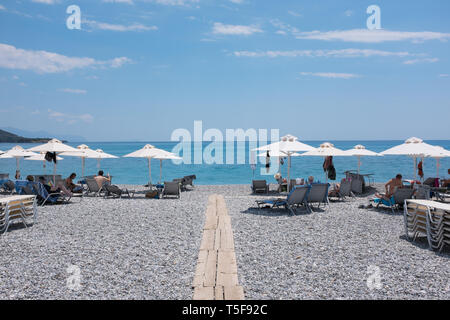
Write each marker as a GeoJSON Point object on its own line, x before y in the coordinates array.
{"type": "Point", "coordinates": [42, 133]}
{"type": "Point", "coordinates": [13, 138]}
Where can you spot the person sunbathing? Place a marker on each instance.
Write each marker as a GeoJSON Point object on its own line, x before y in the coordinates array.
{"type": "Point", "coordinates": [390, 187]}
{"type": "Point", "coordinates": [72, 186]}
{"type": "Point", "coordinates": [101, 180]}
{"type": "Point", "coordinates": [54, 189]}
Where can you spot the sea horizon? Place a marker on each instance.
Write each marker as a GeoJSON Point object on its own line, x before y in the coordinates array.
{"type": "Point", "coordinates": [134, 171]}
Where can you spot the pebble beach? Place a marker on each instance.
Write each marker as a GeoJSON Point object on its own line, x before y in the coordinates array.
{"type": "Point", "coordinates": [147, 249]}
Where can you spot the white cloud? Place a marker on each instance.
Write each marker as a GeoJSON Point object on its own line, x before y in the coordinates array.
{"type": "Point", "coordinates": [50, 62]}
{"type": "Point", "coordinates": [119, 1]}
{"type": "Point", "coordinates": [372, 36]}
{"type": "Point", "coordinates": [237, 1]}
{"type": "Point", "coordinates": [294, 14]}
{"type": "Point", "coordinates": [443, 75]}
{"type": "Point", "coordinates": [228, 29]}
{"type": "Point", "coordinates": [174, 2]}
{"type": "Point", "coordinates": [340, 53]}
{"type": "Point", "coordinates": [69, 118]}
{"type": "Point", "coordinates": [2, 7]}
{"type": "Point", "coordinates": [348, 13]}
{"type": "Point", "coordinates": [331, 75]}
{"type": "Point", "coordinates": [119, 27]}
{"type": "Point", "coordinates": [46, 1]}
{"type": "Point", "coordinates": [76, 91]}
{"type": "Point", "coordinates": [426, 60]}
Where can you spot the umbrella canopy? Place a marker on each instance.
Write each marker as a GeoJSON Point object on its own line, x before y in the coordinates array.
{"type": "Point", "coordinates": [360, 151]}
{"type": "Point", "coordinates": [17, 152]}
{"type": "Point", "coordinates": [287, 144]}
{"type": "Point", "coordinates": [41, 157]}
{"type": "Point", "coordinates": [439, 153]}
{"type": "Point", "coordinates": [327, 149]}
{"type": "Point", "coordinates": [149, 152]}
{"type": "Point", "coordinates": [102, 155]}
{"type": "Point", "coordinates": [82, 151]}
{"type": "Point", "coordinates": [413, 147]}
{"type": "Point", "coordinates": [277, 154]}
{"type": "Point", "coordinates": [55, 146]}
{"type": "Point", "coordinates": [166, 156]}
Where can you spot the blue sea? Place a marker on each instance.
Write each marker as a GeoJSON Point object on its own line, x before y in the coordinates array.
{"type": "Point", "coordinates": [135, 170]}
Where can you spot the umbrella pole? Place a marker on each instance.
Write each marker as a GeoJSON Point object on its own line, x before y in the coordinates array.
{"type": "Point", "coordinates": [17, 163]}
{"type": "Point", "coordinates": [43, 166]}
{"type": "Point", "coordinates": [437, 167]}
{"type": "Point", "coordinates": [160, 170]}
{"type": "Point", "coordinates": [415, 169]}
{"type": "Point", "coordinates": [289, 173]}
{"type": "Point", "coordinates": [149, 173]}
{"type": "Point", "coordinates": [54, 174]}
{"type": "Point", "coordinates": [82, 166]}
{"type": "Point", "coordinates": [359, 163]}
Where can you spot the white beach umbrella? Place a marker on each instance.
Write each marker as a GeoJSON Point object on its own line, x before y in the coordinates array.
{"type": "Point", "coordinates": [166, 156]}
{"type": "Point", "coordinates": [149, 152]}
{"type": "Point", "coordinates": [413, 147]}
{"type": "Point", "coordinates": [327, 149]}
{"type": "Point", "coordinates": [83, 151]}
{"type": "Point", "coordinates": [56, 146]}
{"type": "Point", "coordinates": [361, 151]}
{"type": "Point", "coordinates": [17, 152]}
{"type": "Point", "coordinates": [438, 155]}
{"type": "Point", "coordinates": [102, 155]}
{"type": "Point", "coordinates": [288, 144]}
{"type": "Point", "coordinates": [41, 157]}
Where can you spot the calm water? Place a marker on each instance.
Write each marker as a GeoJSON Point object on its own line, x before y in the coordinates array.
{"type": "Point", "coordinates": [135, 170]}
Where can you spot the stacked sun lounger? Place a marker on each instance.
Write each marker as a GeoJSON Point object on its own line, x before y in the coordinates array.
{"type": "Point", "coordinates": [17, 208]}
{"type": "Point", "coordinates": [430, 219]}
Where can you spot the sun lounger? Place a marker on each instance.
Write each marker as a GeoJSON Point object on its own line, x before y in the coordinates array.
{"type": "Point", "coordinates": [189, 180]}
{"type": "Point", "coordinates": [16, 208]}
{"type": "Point", "coordinates": [397, 199]}
{"type": "Point", "coordinates": [318, 194]}
{"type": "Point", "coordinates": [345, 190]}
{"type": "Point", "coordinates": [115, 191]}
{"type": "Point", "coordinates": [93, 188]}
{"type": "Point", "coordinates": [52, 198]}
{"type": "Point", "coordinates": [8, 187]}
{"type": "Point", "coordinates": [296, 198]}
{"type": "Point", "coordinates": [430, 219]}
{"type": "Point", "coordinates": [260, 186]}
{"type": "Point", "coordinates": [171, 189]}
{"type": "Point", "coordinates": [4, 176]}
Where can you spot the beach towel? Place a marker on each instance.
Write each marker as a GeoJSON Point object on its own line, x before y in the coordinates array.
{"type": "Point", "coordinates": [384, 201]}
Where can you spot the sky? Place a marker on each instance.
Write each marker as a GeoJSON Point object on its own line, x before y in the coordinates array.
{"type": "Point", "coordinates": [139, 69]}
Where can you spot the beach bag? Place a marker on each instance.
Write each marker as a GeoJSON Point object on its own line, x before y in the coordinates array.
{"type": "Point", "coordinates": [331, 173]}
{"type": "Point", "coordinates": [152, 194]}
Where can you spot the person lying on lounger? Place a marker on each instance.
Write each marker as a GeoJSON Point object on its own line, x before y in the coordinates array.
{"type": "Point", "coordinates": [54, 189]}
{"type": "Point", "coordinates": [391, 186]}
